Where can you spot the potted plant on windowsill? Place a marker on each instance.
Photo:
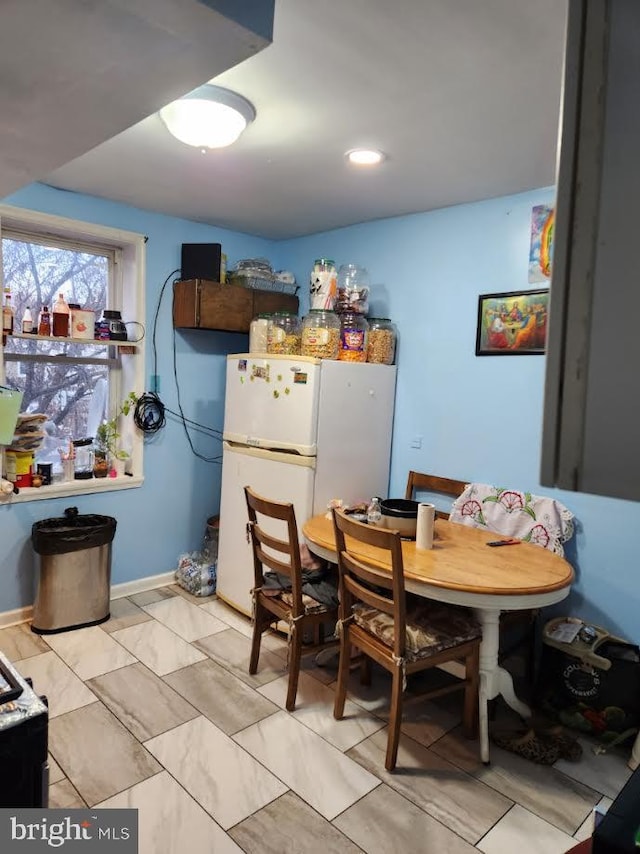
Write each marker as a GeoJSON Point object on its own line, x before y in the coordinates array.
{"type": "Point", "coordinates": [108, 456]}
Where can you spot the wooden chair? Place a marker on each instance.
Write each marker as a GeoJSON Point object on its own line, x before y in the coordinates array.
{"type": "Point", "coordinates": [295, 608]}
{"type": "Point", "coordinates": [419, 482]}
{"type": "Point", "coordinates": [373, 617]}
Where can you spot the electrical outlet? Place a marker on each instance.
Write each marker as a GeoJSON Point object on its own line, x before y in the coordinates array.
{"type": "Point", "coordinates": [416, 442]}
{"type": "Point", "coordinates": [155, 383]}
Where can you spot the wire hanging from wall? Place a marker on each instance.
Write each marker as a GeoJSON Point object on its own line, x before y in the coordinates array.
{"type": "Point", "coordinates": [181, 416]}
{"type": "Point", "coordinates": [150, 414]}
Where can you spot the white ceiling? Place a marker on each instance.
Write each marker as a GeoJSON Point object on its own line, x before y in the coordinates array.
{"type": "Point", "coordinates": [462, 95]}
{"type": "Point", "coordinates": [75, 72]}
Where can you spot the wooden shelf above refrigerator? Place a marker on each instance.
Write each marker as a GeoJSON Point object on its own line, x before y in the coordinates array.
{"type": "Point", "coordinates": [201, 304]}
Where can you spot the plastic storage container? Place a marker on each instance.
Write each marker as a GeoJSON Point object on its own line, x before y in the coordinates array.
{"type": "Point", "coordinates": [322, 284]}
{"type": "Point", "coordinates": [254, 273]}
{"type": "Point", "coordinates": [321, 334]}
{"type": "Point", "coordinates": [75, 571]}
{"type": "Point", "coordinates": [83, 459]}
{"type": "Point", "coordinates": [210, 539]}
{"type": "Point", "coordinates": [283, 336]}
{"type": "Point", "coordinates": [381, 346]}
{"type": "Point", "coordinates": [352, 289]}
{"type": "Point", "coordinates": [10, 402]}
{"type": "Point", "coordinates": [354, 330]}
{"type": "Point", "coordinates": [83, 323]}
{"type": "Point", "coordinates": [19, 467]}
{"type": "Point", "coordinates": [258, 333]}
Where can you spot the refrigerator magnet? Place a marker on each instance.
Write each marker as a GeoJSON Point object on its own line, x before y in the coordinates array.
{"type": "Point", "coordinates": [300, 377]}
{"type": "Point", "coordinates": [260, 372]}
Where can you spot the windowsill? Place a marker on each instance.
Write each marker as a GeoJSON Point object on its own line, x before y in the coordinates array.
{"type": "Point", "coordinates": [73, 487]}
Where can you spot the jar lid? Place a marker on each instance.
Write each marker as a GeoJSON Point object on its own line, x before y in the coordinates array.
{"type": "Point", "coordinates": [380, 319]}
{"type": "Point", "coordinates": [328, 261]}
{"type": "Point", "coordinates": [111, 314]}
{"type": "Point", "coordinates": [79, 443]}
{"type": "Point", "coordinates": [353, 267]}
{"type": "Point", "coordinates": [283, 314]}
{"type": "Point", "coordinates": [353, 275]}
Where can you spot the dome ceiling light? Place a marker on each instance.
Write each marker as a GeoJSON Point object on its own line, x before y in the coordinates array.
{"type": "Point", "coordinates": [365, 156]}
{"type": "Point", "coordinates": [208, 117]}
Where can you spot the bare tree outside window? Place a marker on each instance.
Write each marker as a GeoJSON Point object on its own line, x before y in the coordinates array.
{"type": "Point", "coordinates": [73, 394]}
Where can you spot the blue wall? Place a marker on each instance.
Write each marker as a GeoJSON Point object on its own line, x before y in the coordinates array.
{"type": "Point", "coordinates": [479, 418]}
{"type": "Point", "coordinates": [167, 515]}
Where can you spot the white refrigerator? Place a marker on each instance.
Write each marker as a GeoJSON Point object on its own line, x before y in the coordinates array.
{"type": "Point", "coordinates": [303, 430]}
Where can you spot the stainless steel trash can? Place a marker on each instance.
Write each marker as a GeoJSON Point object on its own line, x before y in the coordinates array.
{"type": "Point", "coordinates": [75, 571]}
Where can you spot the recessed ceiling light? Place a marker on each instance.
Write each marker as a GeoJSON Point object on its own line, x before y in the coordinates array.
{"type": "Point", "coordinates": [208, 117]}
{"type": "Point", "coordinates": [365, 156]}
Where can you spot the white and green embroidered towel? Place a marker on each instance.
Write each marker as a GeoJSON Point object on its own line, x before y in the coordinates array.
{"type": "Point", "coordinates": [533, 518]}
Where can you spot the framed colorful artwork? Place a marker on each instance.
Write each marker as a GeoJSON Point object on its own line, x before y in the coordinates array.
{"type": "Point", "coordinates": [541, 248]}
{"type": "Point", "coordinates": [512, 324]}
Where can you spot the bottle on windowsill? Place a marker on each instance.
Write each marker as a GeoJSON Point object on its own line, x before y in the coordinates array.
{"type": "Point", "coordinates": [7, 315]}
{"type": "Point", "coordinates": [60, 317]}
{"type": "Point", "coordinates": [44, 321]}
{"type": "Point", "coordinates": [27, 322]}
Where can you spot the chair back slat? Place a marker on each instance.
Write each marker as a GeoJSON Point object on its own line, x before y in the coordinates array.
{"type": "Point", "coordinates": [272, 542]}
{"type": "Point", "coordinates": [259, 506]}
{"type": "Point", "coordinates": [368, 596]}
{"type": "Point", "coordinates": [273, 564]}
{"type": "Point", "coordinates": [357, 573]}
{"type": "Point", "coordinates": [372, 576]}
{"type": "Point", "coordinates": [418, 481]}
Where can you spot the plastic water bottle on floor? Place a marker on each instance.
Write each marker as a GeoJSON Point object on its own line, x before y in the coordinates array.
{"type": "Point", "coordinates": [374, 512]}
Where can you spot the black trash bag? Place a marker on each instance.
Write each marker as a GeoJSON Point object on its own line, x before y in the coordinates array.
{"type": "Point", "coordinates": [72, 532]}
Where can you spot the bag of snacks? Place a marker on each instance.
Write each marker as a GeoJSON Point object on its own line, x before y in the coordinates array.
{"type": "Point", "coordinates": [196, 575]}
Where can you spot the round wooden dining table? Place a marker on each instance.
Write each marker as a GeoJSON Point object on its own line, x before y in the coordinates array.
{"type": "Point", "coordinates": [462, 570]}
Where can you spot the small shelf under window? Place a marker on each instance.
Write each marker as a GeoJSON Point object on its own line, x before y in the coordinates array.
{"type": "Point", "coordinates": [123, 346]}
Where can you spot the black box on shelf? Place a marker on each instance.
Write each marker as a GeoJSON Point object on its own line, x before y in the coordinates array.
{"type": "Point", "coordinates": [202, 261]}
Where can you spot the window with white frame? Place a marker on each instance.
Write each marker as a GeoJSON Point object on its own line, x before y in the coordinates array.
{"type": "Point", "coordinates": [76, 385]}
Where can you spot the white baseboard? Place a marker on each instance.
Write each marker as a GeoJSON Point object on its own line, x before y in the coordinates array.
{"type": "Point", "coordinates": [118, 591]}
{"type": "Point", "coordinates": [140, 585]}
{"type": "Point", "coordinates": [12, 618]}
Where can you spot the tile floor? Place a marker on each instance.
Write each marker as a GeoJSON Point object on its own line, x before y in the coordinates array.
{"type": "Point", "coordinates": [155, 710]}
